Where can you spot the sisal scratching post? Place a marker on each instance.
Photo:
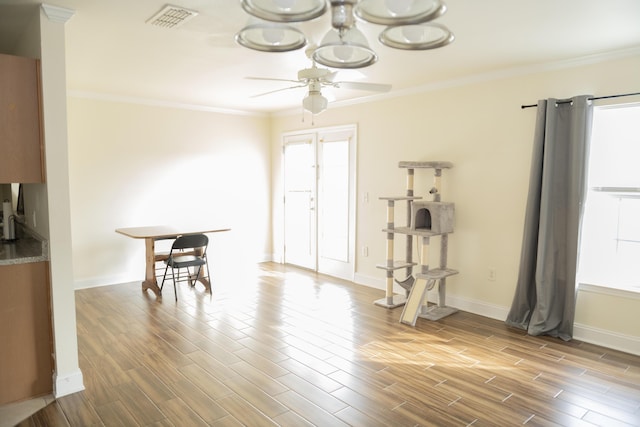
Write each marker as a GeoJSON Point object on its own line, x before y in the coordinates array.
{"type": "Point", "coordinates": [390, 300]}
{"type": "Point", "coordinates": [409, 238]}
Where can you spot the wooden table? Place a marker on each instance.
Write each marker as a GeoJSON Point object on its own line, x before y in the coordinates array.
{"type": "Point", "coordinates": [160, 232]}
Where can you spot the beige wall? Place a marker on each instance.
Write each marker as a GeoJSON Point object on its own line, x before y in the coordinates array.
{"type": "Point", "coordinates": [480, 127]}
{"type": "Point", "coordinates": [135, 165]}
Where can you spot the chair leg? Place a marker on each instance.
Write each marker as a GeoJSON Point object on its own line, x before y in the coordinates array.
{"type": "Point", "coordinates": [193, 279]}
{"type": "Point", "coordinates": [209, 276]}
{"type": "Point", "coordinates": [189, 277]}
{"type": "Point", "coordinates": [164, 276]}
{"type": "Point", "coordinates": [173, 274]}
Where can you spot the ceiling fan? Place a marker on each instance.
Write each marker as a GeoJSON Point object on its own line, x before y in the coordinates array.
{"type": "Point", "coordinates": [315, 79]}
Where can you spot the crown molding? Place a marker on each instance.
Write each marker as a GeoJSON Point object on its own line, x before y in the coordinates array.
{"type": "Point", "coordinates": [160, 103]}
{"type": "Point", "coordinates": [57, 14]}
{"type": "Point", "coordinates": [536, 68]}
{"type": "Point", "coordinates": [439, 85]}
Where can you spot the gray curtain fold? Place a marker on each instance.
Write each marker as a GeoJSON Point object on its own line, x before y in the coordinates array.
{"type": "Point", "coordinates": [544, 300]}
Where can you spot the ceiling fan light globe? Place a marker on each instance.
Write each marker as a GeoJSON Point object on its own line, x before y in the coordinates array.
{"type": "Point", "coordinates": [273, 36]}
{"type": "Point", "coordinates": [343, 52]}
{"type": "Point", "coordinates": [315, 103]}
{"type": "Point", "coordinates": [347, 49]}
{"type": "Point", "coordinates": [398, 7]}
{"type": "Point", "coordinates": [269, 37]}
{"type": "Point", "coordinates": [360, 56]}
{"type": "Point", "coordinates": [413, 34]}
{"type": "Point", "coordinates": [285, 10]}
{"type": "Point", "coordinates": [285, 4]}
{"type": "Point", "coordinates": [416, 37]}
{"type": "Point", "coordinates": [399, 12]}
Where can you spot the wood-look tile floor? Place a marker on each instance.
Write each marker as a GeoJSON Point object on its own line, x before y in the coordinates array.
{"type": "Point", "coordinates": [282, 346]}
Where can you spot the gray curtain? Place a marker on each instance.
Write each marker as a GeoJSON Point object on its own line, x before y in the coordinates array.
{"type": "Point", "coordinates": [544, 301]}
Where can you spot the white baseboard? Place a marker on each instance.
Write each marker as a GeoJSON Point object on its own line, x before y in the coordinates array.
{"type": "Point", "coordinates": [375, 282]}
{"type": "Point", "coordinates": [481, 308]}
{"type": "Point", "coordinates": [105, 280]}
{"type": "Point", "coordinates": [67, 384]}
{"type": "Point", "coordinates": [270, 257]}
{"type": "Point", "coordinates": [588, 334]}
{"type": "Point", "coordinates": [605, 338]}
{"type": "Point", "coordinates": [94, 282]}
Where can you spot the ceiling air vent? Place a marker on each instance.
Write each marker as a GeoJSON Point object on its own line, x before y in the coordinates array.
{"type": "Point", "coordinates": [171, 17]}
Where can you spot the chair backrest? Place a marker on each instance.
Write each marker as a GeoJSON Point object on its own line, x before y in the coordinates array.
{"type": "Point", "coordinates": [191, 241]}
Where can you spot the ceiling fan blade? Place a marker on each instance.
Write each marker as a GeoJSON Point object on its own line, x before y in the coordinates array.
{"type": "Point", "coordinates": [374, 87]}
{"type": "Point", "coordinates": [277, 90]}
{"type": "Point", "coordinates": [273, 80]}
{"type": "Point", "coordinates": [329, 77]}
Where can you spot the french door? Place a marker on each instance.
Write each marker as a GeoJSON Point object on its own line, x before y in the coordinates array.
{"type": "Point", "coordinates": [300, 200]}
{"type": "Point", "coordinates": [319, 211]}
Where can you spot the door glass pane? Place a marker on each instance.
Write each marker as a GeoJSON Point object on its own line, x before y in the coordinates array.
{"type": "Point", "coordinates": [298, 242]}
{"type": "Point", "coordinates": [299, 205]}
{"type": "Point", "coordinates": [334, 200]}
{"type": "Point", "coordinates": [297, 167]}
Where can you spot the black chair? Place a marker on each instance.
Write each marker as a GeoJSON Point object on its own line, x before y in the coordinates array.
{"type": "Point", "coordinates": [186, 252]}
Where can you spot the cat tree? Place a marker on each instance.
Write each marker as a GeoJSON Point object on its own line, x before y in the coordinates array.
{"type": "Point", "coordinates": [425, 219]}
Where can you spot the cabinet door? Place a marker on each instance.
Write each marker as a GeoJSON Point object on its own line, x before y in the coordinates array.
{"type": "Point", "coordinates": [26, 365]}
{"type": "Point", "coordinates": [21, 156]}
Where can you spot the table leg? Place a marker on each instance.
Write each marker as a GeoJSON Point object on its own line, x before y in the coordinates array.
{"type": "Point", "coordinates": [204, 278]}
{"type": "Point", "coordinates": [150, 281]}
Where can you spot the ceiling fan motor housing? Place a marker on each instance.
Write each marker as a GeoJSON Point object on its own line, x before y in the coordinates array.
{"type": "Point", "coordinates": [313, 73]}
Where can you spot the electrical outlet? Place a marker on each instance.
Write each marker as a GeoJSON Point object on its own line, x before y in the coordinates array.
{"type": "Point", "coordinates": [492, 274]}
{"type": "Point", "coordinates": [365, 251]}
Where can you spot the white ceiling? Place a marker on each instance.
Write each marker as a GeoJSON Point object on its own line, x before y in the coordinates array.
{"type": "Point", "coordinates": [111, 51]}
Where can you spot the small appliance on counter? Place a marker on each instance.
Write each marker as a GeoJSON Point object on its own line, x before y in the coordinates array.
{"type": "Point", "coordinates": [8, 222]}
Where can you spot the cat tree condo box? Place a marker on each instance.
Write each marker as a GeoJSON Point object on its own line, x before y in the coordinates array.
{"type": "Point", "coordinates": [436, 217]}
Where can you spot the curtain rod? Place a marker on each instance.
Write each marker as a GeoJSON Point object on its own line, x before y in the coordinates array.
{"type": "Point", "coordinates": [590, 99]}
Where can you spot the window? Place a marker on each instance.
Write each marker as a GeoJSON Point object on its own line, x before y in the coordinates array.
{"type": "Point", "coordinates": [610, 241]}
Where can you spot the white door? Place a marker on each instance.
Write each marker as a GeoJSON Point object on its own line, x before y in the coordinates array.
{"type": "Point", "coordinates": [328, 158]}
{"type": "Point", "coordinates": [336, 203]}
{"type": "Point", "coordinates": [300, 200]}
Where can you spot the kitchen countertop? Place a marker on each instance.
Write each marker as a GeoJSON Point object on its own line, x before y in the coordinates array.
{"type": "Point", "coordinates": [29, 247]}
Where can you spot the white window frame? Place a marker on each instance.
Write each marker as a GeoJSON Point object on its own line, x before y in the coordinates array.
{"type": "Point", "coordinates": [596, 273]}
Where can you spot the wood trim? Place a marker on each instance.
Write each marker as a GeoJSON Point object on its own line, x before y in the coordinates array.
{"type": "Point", "coordinates": [43, 163]}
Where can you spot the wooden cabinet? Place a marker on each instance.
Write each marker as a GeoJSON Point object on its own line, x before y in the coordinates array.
{"type": "Point", "coordinates": [21, 149]}
{"type": "Point", "coordinates": [26, 365]}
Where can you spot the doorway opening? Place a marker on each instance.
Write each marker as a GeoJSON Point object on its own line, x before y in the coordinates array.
{"type": "Point", "coordinates": [319, 200]}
